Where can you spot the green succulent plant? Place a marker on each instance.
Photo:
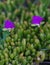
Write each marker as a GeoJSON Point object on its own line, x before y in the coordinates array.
{"type": "Point", "coordinates": [24, 43]}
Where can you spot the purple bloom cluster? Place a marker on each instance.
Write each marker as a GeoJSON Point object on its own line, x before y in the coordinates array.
{"type": "Point", "coordinates": [8, 24]}
{"type": "Point", "coordinates": [36, 20]}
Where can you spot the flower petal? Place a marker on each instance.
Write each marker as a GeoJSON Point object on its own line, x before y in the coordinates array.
{"type": "Point", "coordinates": [37, 20]}
{"type": "Point", "coordinates": [8, 24]}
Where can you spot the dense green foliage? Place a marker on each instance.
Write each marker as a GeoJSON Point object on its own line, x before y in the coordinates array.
{"type": "Point", "coordinates": [24, 44]}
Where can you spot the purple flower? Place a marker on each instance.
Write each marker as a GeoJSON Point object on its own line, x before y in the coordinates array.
{"type": "Point", "coordinates": [8, 25]}
{"type": "Point", "coordinates": [36, 20]}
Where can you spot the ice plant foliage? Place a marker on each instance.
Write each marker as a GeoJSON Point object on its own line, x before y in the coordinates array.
{"type": "Point", "coordinates": [36, 20]}
{"type": "Point", "coordinates": [26, 44]}
{"type": "Point", "coordinates": [8, 24]}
